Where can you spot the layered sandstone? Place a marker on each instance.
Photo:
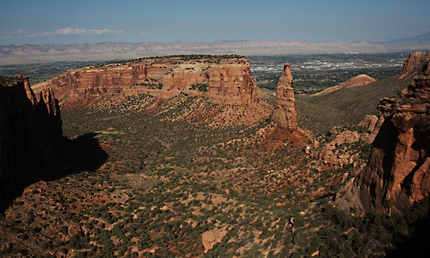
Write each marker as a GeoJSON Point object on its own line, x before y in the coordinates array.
{"type": "Point", "coordinates": [222, 79]}
{"type": "Point", "coordinates": [356, 81]}
{"type": "Point", "coordinates": [371, 124]}
{"type": "Point", "coordinates": [398, 171]}
{"type": "Point", "coordinates": [419, 88]}
{"type": "Point", "coordinates": [284, 113]}
{"type": "Point", "coordinates": [415, 60]}
{"type": "Point", "coordinates": [28, 131]}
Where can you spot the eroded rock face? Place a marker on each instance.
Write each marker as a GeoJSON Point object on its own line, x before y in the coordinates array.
{"type": "Point", "coordinates": [419, 89]}
{"type": "Point", "coordinates": [372, 124]}
{"type": "Point", "coordinates": [28, 130]}
{"type": "Point", "coordinates": [232, 83]}
{"type": "Point", "coordinates": [284, 113]}
{"type": "Point", "coordinates": [415, 59]}
{"type": "Point", "coordinates": [397, 173]}
{"type": "Point", "coordinates": [223, 79]}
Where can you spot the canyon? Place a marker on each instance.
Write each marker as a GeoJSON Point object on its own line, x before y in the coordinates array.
{"type": "Point", "coordinates": [227, 80]}
{"type": "Point", "coordinates": [165, 181]}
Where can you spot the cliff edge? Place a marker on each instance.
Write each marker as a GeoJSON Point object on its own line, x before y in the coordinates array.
{"type": "Point", "coordinates": [29, 130]}
{"type": "Point", "coordinates": [398, 171]}
{"type": "Point", "coordinates": [222, 79]}
{"type": "Point", "coordinates": [414, 60]}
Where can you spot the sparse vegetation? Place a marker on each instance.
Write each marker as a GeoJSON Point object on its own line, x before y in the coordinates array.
{"type": "Point", "coordinates": [203, 87]}
{"type": "Point", "coordinates": [178, 170]}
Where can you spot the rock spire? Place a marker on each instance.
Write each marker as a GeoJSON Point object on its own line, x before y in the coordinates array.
{"type": "Point", "coordinates": [284, 113]}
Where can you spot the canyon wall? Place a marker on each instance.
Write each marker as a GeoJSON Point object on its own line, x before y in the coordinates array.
{"type": "Point", "coordinates": [222, 79]}
{"type": "Point", "coordinates": [28, 131]}
{"type": "Point", "coordinates": [398, 171]}
{"type": "Point", "coordinates": [284, 112]}
{"type": "Point", "coordinates": [415, 60]}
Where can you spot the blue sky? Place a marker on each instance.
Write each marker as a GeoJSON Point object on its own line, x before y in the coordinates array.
{"type": "Point", "coordinates": [76, 21]}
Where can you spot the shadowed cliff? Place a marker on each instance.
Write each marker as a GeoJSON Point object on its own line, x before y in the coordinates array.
{"type": "Point", "coordinates": [31, 144]}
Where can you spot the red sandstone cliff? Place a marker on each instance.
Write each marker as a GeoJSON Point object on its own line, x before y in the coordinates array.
{"type": "Point", "coordinates": [28, 131]}
{"type": "Point", "coordinates": [415, 59]}
{"type": "Point", "coordinates": [284, 113]}
{"type": "Point", "coordinates": [223, 79]}
{"type": "Point", "coordinates": [398, 171]}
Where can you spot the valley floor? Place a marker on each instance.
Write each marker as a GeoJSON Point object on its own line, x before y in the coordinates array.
{"type": "Point", "coordinates": [188, 188]}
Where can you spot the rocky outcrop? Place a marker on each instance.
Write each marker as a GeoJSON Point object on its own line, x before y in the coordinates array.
{"type": "Point", "coordinates": [342, 146]}
{"type": "Point", "coordinates": [356, 81]}
{"type": "Point", "coordinates": [232, 83]}
{"type": "Point", "coordinates": [284, 113]}
{"type": "Point", "coordinates": [28, 131]}
{"type": "Point", "coordinates": [415, 60]}
{"type": "Point", "coordinates": [212, 237]}
{"type": "Point", "coordinates": [338, 151]}
{"type": "Point", "coordinates": [398, 171]}
{"type": "Point", "coordinates": [419, 88]}
{"type": "Point", "coordinates": [222, 79]}
{"type": "Point", "coordinates": [371, 124]}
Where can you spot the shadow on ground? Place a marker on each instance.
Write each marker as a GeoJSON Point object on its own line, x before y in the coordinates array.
{"type": "Point", "coordinates": [82, 153]}
{"type": "Point", "coordinates": [417, 244]}
{"type": "Point", "coordinates": [70, 156]}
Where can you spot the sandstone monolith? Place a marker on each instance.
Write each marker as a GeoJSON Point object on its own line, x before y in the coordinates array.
{"type": "Point", "coordinates": [284, 113]}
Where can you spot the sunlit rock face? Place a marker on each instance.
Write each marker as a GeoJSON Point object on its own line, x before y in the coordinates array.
{"type": "Point", "coordinates": [415, 59]}
{"type": "Point", "coordinates": [222, 79]}
{"type": "Point", "coordinates": [284, 113]}
{"type": "Point", "coordinates": [398, 171]}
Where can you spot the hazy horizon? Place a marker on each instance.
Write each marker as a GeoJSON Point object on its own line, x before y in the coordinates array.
{"type": "Point", "coordinates": [68, 22]}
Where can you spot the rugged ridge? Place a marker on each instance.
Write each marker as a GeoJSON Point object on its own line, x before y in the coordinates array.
{"type": "Point", "coordinates": [415, 59]}
{"type": "Point", "coordinates": [284, 113]}
{"type": "Point", "coordinates": [222, 79]}
{"type": "Point", "coordinates": [28, 131]}
{"type": "Point", "coordinates": [13, 54]}
{"type": "Point", "coordinates": [356, 81]}
{"type": "Point", "coordinates": [398, 171]}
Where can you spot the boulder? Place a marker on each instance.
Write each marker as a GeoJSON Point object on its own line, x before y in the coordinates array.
{"type": "Point", "coordinates": [212, 237]}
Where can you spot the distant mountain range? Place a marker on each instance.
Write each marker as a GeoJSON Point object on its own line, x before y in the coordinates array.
{"type": "Point", "coordinates": [423, 38]}
{"type": "Point", "coordinates": [15, 54]}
